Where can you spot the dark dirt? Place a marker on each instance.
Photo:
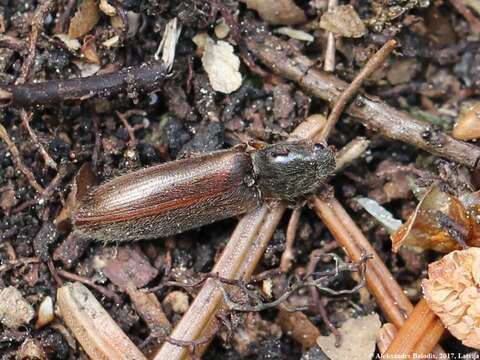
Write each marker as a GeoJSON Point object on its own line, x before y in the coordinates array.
{"type": "Point", "coordinates": [185, 116]}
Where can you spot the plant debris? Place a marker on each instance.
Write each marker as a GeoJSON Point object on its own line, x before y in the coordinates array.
{"type": "Point", "coordinates": [343, 20]}
{"type": "Point", "coordinates": [467, 126]}
{"type": "Point", "coordinates": [358, 339]}
{"type": "Point", "coordinates": [85, 19]}
{"type": "Point", "coordinates": [15, 311]}
{"type": "Point", "coordinates": [91, 90]}
{"type": "Point", "coordinates": [452, 292]}
{"type": "Point", "coordinates": [278, 12]}
{"type": "Point", "coordinates": [441, 222]}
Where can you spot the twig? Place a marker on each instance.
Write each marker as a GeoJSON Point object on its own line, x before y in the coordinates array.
{"type": "Point", "coordinates": [144, 78]}
{"type": "Point", "coordinates": [61, 25]}
{"type": "Point", "coordinates": [309, 281]}
{"type": "Point", "coordinates": [12, 43]}
{"type": "Point", "coordinates": [192, 345]}
{"type": "Point", "coordinates": [37, 23]}
{"type": "Point", "coordinates": [46, 193]}
{"type": "Point", "coordinates": [329, 64]}
{"type": "Point", "coordinates": [467, 14]}
{"type": "Point", "coordinates": [54, 273]}
{"type": "Point", "coordinates": [26, 117]}
{"type": "Point", "coordinates": [130, 129]}
{"type": "Point", "coordinates": [353, 150]}
{"type": "Point", "coordinates": [102, 290]}
{"type": "Point", "coordinates": [18, 162]}
{"type": "Point", "coordinates": [287, 256]}
{"type": "Point", "coordinates": [94, 329]}
{"type": "Point", "coordinates": [381, 283]}
{"type": "Point", "coordinates": [317, 305]}
{"type": "Point", "coordinates": [373, 64]}
{"type": "Point", "coordinates": [419, 335]}
{"type": "Point", "coordinates": [285, 60]}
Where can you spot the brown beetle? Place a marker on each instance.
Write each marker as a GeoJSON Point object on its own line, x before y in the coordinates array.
{"type": "Point", "coordinates": [173, 197]}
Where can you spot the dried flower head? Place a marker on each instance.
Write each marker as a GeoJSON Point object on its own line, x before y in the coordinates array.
{"type": "Point", "coordinates": [453, 292]}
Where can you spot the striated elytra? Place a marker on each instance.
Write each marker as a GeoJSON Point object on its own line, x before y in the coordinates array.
{"type": "Point", "coordinates": [173, 197]}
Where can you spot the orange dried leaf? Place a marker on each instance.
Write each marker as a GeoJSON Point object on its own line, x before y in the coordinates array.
{"type": "Point", "coordinates": [84, 19]}
{"type": "Point", "coordinates": [452, 291]}
{"type": "Point", "coordinates": [438, 220]}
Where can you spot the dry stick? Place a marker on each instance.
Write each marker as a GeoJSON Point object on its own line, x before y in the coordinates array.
{"type": "Point", "coordinates": [37, 23]}
{"type": "Point", "coordinates": [287, 256]}
{"type": "Point", "coordinates": [419, 335]}
{"type": "Point", "coordinates": [285, 60]}
{"type": "Point", "coordinates": [101, 289]}
{"type": "Point", "coordinates": [329, 64]}
{"type": "Point", "coordinates": [467, 14]}
{"type": "Point", "coordinates": [238, 261]}
{"type": "Point", "coordinates": [61, 25]}
{"type": "Point", "coordinates": [389, 295]}
{"type": "Point", "coordinates": [26, 116]}
{"type": "Point", "coordinates": [373, 64]}
{"type": "Point", "coordinates": [99, 335]}
{"type": "Point", "coordinates": [392, 288]}
{"type": "Point", "coordinates": [353, 150]}
{"type": "Point", "coordinates": [18, 162]}
{"type": "Point", "coordinates": [144, 78]}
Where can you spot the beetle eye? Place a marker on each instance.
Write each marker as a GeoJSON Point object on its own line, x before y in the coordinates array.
{"type": "Point", "coordinates": [319, 146]}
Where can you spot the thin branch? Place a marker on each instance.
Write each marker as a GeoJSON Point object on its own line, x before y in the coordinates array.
{"type": "Point", "coordinates": [144, 78]}
{"type": "Point", "coordinates": [285, 60]}
{"type": "Point", "coordinates": [37, 23]}
{"type": "Point", "coordinates": [373, 64]}
{"type": "Point", "coordinates": [389, 295]}
{"type": "Point", "coordinates": [17, 160]}
{"type": "Point", "coordinates": [26, 116]}
{"type": "Point", "coordinates": [287, 256]}
{"type": "Point", "coordinates": [101, 289]}
{"type": "Point", "coordinates": [419, 335]}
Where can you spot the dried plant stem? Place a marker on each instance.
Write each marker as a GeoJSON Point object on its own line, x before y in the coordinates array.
{"type": "Point", "coordinates": [353, 150]}
{"type": "Point", "coordinates": [418, 335]}
{"type": "Point", "coordinates": [144, 78]}
{"type": "Point", "coordinates": [380, 282]}
{"type": "Point", "coordinates": [287, 256]}
{"type": "Point", "coordinates": [467, 14]}
{"type": "Point", "coordinates": [17, 160]}
{"type": "Point", "coordinates": [285, 60]}
{"type": "Point", "coordinates": [329, 64]}
{"type": "Point", "coordinates": [95, 330]}
{"type": "Point", "coordinates": [238, 261]}
{"type": "Point", "coordinates": [373, 64]}
{"type": "Point", "coordinates": [37, 22]}
{"type": "Point", "coordinates": [102, 290]}
{"type": "Point", "coordinates": [26, 116]}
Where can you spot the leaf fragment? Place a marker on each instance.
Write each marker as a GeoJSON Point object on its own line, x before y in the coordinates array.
{"type": "Point", "coordinates": [358, 339]}
{"type": "Point", "coordinates": [343, 20]}
{"type": "Point", "coordinates": [278, 12]}
{"type": "Point", "coordinates": [85, 19]}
